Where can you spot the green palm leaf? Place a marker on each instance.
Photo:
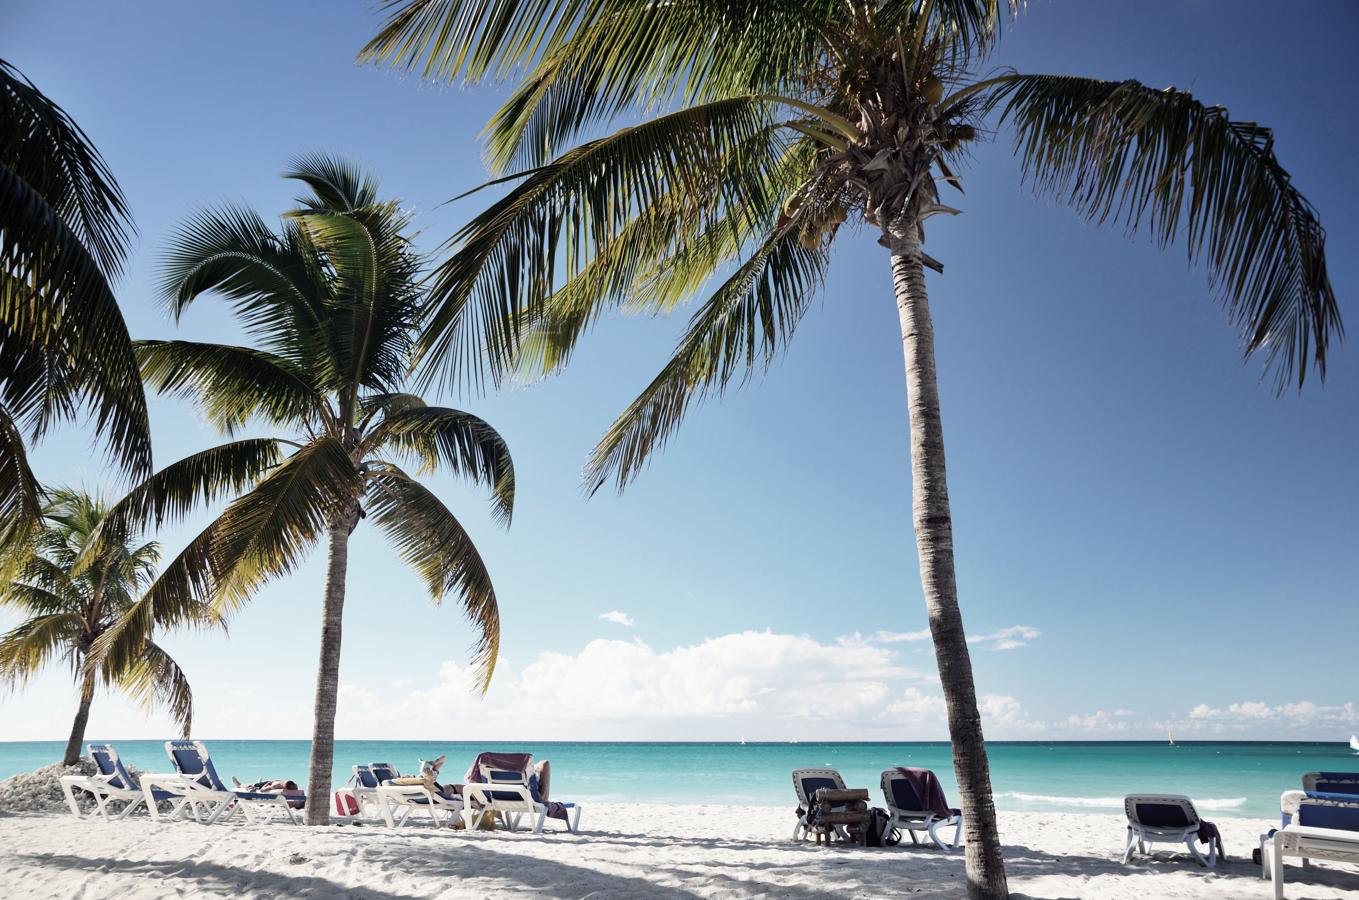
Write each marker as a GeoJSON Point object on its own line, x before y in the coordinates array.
{"type": "Point", "coordinates": [156, 680]}
{"type": "Point", "coordinates": [744, 324]}
{"type": "Point", "coordinates": [434, 543]}
{"type": "Point", "coordinates": [30, 646]}
{"type": "Point", "coordinates": [232, 385]}
{"type": "Point", "coordinates": [1121, 151]}
{"type": "Point", "coordinates": [466, 444]}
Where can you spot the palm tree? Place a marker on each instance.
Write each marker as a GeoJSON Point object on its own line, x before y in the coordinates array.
{"type": "Point", "coordinates": [764, 126]}
{"type": "Point", "coordinates": [71, 596]}
{"type": "Point", "coordinates": [64, 230]}
{"type": "Point", "coordinates": [333, 299]}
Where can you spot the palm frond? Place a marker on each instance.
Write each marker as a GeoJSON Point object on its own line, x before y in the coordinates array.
{"type": "Point", "coordinates": [264, 533]}
{"type": "Point", "coordinates": [232, 385]}
{"type": "Point", "coordinates": [1121, 151]}
{"type": "Point", "coordinates": [745, 323]}
{"type": "Point", "coordinates": [28, 647]}
{"type": "Point", "coordinates": [154, 680]}
{"type": "Point", "coordinates": [437, 435]}
{"type": "Point", "coordinates": [506, 263]}
{"type": "Point", "coordinates": [337, 184]}
{"type": "Point", "coordinates": [42, 145]}
{"type": "Point", "coordinates": [274, 281]}
{"type": "Point", "coordinates": [174, 491]}
{"type": "Point", "coordinates": [21, 496]}
{"type": "Point", "coordinates": [434, 543]}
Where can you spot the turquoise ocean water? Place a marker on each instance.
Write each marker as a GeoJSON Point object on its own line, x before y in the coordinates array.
{"type": "Point", "coordinates": [1225, 779]}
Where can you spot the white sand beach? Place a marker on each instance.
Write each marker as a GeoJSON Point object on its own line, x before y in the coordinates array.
{"type": "Point", "coordinates": [624, 851]}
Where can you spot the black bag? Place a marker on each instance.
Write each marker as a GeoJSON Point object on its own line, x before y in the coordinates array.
{"type": "Point", "coordinates": [879, 832]}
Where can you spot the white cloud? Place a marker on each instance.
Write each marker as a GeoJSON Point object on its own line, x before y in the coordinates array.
{"type": "Point", "coordinates": [760, 684]}
{"type": "Point", "coordinates": [1011, 638]}
{"type": "Point", "coordinates": [898, 637]}
{"type": "Point", "coordinates": [618, 618]}
{"type": "Point", "coordinates": [1256, 715]}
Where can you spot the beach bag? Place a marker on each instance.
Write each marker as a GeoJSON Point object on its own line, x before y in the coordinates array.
{"type": "Point", "coordinates": [878, 832]}
{"type": "Point", "coordinates": [346, 804]}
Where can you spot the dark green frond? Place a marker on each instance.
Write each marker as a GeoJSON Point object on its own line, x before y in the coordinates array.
{"type": "Point", "coordinates": [741, 327]}
{"type": "Point", "coordinates": [30, 646]}
{"type": "Point", "coordinates": [265, 532]}
{"type": "Point", "coordinates": [434, 543]}
{"type": "Point", "coordinates": [42, 145]}
{"type": "Point", "coordinates": [156, 680]}
{"type": "Point", "coordinates": [20, 494]}
{"type": "Point", "coordinates": [338, 184]}
{"type": "Point", "coordinates": [1125, 152]}
{"type": "Point", "coordinates": [232, 385]}
{"type": "Point", "coordinates": [437, 435]}
{"type": "Point", "coordinates": [506, 264]}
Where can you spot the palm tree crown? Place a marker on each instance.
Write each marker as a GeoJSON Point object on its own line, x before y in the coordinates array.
{"type": "Point", "coordinates": [764, 126]}
{"type": "Point", "coordinates": [71, 592]}
{"type": "Point", "coordinates": [333, 299]}
{"type": "Point", "coordinates": [64, 230]}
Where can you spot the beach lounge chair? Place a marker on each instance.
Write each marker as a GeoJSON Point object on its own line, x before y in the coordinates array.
{"type": "Point", "coordinates": [410, 797]}
{"type": "Point", "coordinates": [1317, 825]}
{"type": "Point", "coordinates": [509, 786]}
{"type": "Point", "coordinates": [1169, 819]}
{"type": "Point", "coordinates": [806, 782]}
{"type": "Point", "coordinates": [1331, 783]}
{"type": "Point", "coordinates": [363, 785]}
{"type": "Point", "coordinates": [111, 782]}
{"type": "Point", "coordinates": [195, 778]}
{"type": "Point", "coordinates": [915, 801]}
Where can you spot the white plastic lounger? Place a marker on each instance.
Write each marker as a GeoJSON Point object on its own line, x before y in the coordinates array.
{"type": "Point", "coordinates": [365, 790]}
{"type": "Point", "coordinates": [410, 797]}
{"type": "Point", "coordinates": [196, 779]}
{"type": "Point", "coordinates": [510, 795]}
{"type": "Point", "coordinates": [112, 783]}
{"type": "Point", "coordinates": [908, 811]}
{"type": "Point", "coordinates": [806, 782]}
{"type": "Point", "coordinates": [1165, 819]}
{"type": "Point", "coordinates": [1320, 825]}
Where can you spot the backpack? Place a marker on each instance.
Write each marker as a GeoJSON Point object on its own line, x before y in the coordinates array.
{"type": "Point", "coordinates": [880, 832]}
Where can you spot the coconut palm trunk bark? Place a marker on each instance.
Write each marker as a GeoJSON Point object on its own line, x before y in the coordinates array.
{"type": "Point", "coordinates": [81, 720]}
{"type": "Point", "coordinates": [328, 673]}
{"type": "Point", "coordinates": [934, 539]}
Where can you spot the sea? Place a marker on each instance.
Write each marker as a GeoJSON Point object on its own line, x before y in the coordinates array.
{"type": "Point", "coordinates": [1234, 778]}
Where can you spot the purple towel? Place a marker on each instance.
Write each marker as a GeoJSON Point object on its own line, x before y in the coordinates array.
{"type": "Point", "coordinates": [928, 789]}
{"type": "Point", "coordinates": [1208, 834]}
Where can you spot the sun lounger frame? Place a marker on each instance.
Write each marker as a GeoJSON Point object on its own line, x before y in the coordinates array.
{"type": "Point", "coordinates": [914, 820]}
{"type": "Point", "coordinates": [103, 788]}
{"type": "Point", "coordinates": [479, 799]}
{"type": "Point", "coordinates": [1141, 834]}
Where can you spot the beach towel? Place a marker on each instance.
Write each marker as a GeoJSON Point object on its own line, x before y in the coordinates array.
{"type": "Point", "coordinates": [931, 793]}
{"type": "Point", "coordinates": [1208, 834]}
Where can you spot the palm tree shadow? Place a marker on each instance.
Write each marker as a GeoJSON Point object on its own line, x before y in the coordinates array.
{"type": "Point", "coordinates": [194, 875]}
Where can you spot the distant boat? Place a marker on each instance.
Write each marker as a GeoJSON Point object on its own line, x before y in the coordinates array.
{"type": "Point", "coordinates": [1354, 742]}
{"type": "Point", "coordinates": [743, 740]}
{"type": "Point", "coordinates": [1171, 736]}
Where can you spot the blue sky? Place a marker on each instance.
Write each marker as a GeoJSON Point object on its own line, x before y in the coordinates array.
{"type": "Point", "coordinates": [1147, 537]}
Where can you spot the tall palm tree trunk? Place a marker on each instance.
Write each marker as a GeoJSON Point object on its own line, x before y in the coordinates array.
{"type": "Point", "coordinates": [328, 673]}
{"type": "Point", "coordinates": [934, 539]}
{"type": "Point", "coordinates": [81, 720]}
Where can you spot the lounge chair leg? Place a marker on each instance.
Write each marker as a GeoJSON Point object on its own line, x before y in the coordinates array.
{"type": "Point", "coordinates": [542, 820]}
{"type": "Point", "coordinates": [1276, 866]}
{"type": "Point", "coordinates": [575, 820]}
{"type": "Point", "coordinates": [1131, 844]}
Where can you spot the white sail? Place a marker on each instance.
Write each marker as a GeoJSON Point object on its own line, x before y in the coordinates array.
{"type": "Point", "coordinates": [1171, 736]}
{"type": "Point", "coordinates": [1354, 742]}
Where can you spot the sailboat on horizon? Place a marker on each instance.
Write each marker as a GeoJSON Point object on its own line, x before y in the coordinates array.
{"type": "Point", "coordinates": [1170, 735]}
{"type": "Point", "coordinates": [1354, 742]}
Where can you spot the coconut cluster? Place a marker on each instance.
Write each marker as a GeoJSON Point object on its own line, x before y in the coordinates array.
{"type": "Point", "coordinates": [40, 790]}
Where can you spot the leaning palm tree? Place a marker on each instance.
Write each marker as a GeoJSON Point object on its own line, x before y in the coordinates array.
{"type": "Point", "coordinates": [333, 300]}
{"type": "Point", "coordinates": [758, 129]}
{"type": "Point", "coordinates": [70, 593]}
{"type": "Point", "coordinates": [64, 231]}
